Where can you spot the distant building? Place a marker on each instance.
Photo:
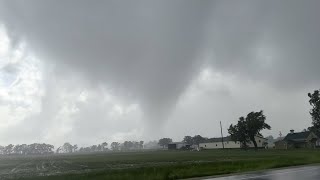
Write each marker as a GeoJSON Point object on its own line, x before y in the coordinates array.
{"type": "Point", "coordinates": [306, 139]}
{"type": "Point", "coordinates": [178, 145]}
{"type": "Point", "coordinates": [216, 143]}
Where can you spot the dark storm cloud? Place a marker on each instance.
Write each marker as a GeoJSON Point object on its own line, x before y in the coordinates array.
{"type": "Point", "coordinates": [150, 50]}
{"type": "Point", "coordinates": [144, 48]}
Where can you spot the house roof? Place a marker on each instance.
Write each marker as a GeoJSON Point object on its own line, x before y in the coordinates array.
{"type": "Point", "coordinates": [211, 140]}
{"type": "Point", "coordinates": [227, 138]}
{"type": "Point", "coordinates": [297, 137]}
{"type": "Point", "coordinates": [178, 143]}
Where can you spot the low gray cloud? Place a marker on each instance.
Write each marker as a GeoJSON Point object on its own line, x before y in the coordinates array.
{"type": "Point", "coordinates": [273, 41]}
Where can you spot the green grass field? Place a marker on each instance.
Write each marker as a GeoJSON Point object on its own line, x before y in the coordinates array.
{"type": "Point", "coordinates": [150, 164]}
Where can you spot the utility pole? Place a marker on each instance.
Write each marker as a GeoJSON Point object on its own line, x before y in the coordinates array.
{"type": "Point", "coordinates": [280, 134]}
{"type": "Point", "coordinates": [221, 135]}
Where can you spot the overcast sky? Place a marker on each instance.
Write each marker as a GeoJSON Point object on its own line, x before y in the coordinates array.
{"type": "Point", "coordinates": [91, 71]}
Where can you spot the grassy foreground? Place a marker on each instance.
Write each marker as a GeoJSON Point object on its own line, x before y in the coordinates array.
{"type": "Point", "coordinates": [151, 165]}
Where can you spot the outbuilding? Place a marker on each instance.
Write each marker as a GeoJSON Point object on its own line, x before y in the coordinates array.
{"type": "Point", "coordinates": [178, 145]}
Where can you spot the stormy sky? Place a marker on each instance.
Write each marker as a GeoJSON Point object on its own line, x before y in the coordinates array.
{"type": "Point", "coordinates": [91, 71]}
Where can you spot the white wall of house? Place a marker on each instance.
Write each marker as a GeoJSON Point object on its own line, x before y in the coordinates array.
{"type": "Point", "coordinates": [231, 144]}
{"type": "Point", "coordinates": [218, 145]}
{"type": "Point", "coordinates": [260, 142]}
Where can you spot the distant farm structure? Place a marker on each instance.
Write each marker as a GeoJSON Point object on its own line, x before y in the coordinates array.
{"type": "Point", "coordinates": [178, 146]}
{"type": "Point", "coordinates": [306, 139]}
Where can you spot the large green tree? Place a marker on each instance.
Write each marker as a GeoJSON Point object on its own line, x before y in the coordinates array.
{"type": "Point", "coordinates": [239, 132]}
{"type": "Point", "coordinates": [164, 142]}
{"type": "Point", "coordinates": [8, 149]}
{"type": "Point", "coordinates": [315, 111]}
{"type": "Point", "coordinates": [67, 148]}
{"type": "Point", "coordinates": [255, 122]}
{"type": "Point", "coordinates": [197, 139]}
{"type": "Point", "coordinates": [104, 146]}
{"type": "Point", "coordinates": [247, 128]}
{"type": "Point", "coordinates": [188, 140]}
{"type": "Point", "coordinates": [115, 146]}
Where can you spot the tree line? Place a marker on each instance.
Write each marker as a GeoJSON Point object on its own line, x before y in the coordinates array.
{"type": "Point", "coordinates": [114, 146]}
{"type": "Point", "coordinates": [27, 149]}
{"type": "Point", "coordinates": [45, 149]}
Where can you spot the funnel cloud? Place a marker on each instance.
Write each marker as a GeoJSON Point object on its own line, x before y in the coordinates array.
{"type": "Point", "coordinates": [84, 72]}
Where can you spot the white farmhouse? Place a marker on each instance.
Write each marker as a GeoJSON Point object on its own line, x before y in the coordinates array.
{"type": "Point", "coordinates": [216, 143]}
